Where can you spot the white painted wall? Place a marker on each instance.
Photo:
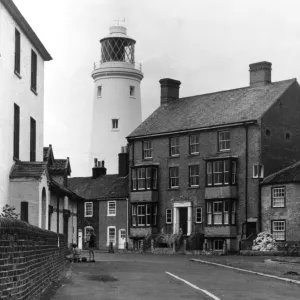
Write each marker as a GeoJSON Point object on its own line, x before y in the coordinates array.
{"type": "Point", "coordinates": [115, 103]}
{"type": "Point", "coordinates": [16, 90]}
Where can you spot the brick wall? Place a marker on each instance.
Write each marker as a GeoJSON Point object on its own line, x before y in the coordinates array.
{"type": "Point", "coordinates": [208, 148]}
{"type": "Point", "coordinates": [29, 258]}
{"type": "Point", "coordinates": [290, 213]}
{"type": "Point", "coordinates": [282, 118]}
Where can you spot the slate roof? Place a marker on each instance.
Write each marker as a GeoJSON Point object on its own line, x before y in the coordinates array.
{"type": "Point", "coordinates": [59, 165]}
{"type": "Point", "coordinates": [286, 175]}
{"type": "Point", "coordinates": [220, 108]}
{"type": "Point", "coordinates": [45, 153]}
{"type": "Point", "coordinates": [103, 187]}
{"type": "Point", "coordinates": [28, 169]}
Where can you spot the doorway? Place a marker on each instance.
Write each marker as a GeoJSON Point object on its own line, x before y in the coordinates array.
{"type": "Point", "coordinates": [80, 238]}
{"type": "Point", "coordinates": [122, 238]}
{"type": "Point", "coordinates": [183, 219]}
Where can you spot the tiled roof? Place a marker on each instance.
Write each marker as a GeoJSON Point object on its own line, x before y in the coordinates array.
{"type": "Point", "coordinates": [60, 187]}
{"type": "Point", "coordinates": [59, 165]}
{"type": "Point", "coordinates": [45, 153]}
{"type": "Point", "coordinates": [103, 187]}
{"type": "Point", "coordinates": [28, 169]}
{"type": "Point", "coordinates": [286, 175]}
{"type": "Point", "coordinates": [215, 109]}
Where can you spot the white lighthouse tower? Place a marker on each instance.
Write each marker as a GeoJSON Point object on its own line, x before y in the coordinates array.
{"type": "Point", "coordinates": [117, 97]}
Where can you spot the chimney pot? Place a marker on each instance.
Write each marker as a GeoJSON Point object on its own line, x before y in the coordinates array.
{"type": "Point", "coordinates": [103, 164]}
{"type": "Point", "coordinates": [260, 73]}
{"type": "Point", "coordinates": [169, 90]}
{"type": "Point", "coordinates": [95, 162]}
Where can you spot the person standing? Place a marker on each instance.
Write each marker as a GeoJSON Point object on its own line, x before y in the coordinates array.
{"type": "Point", "coordinates": [92, 246]}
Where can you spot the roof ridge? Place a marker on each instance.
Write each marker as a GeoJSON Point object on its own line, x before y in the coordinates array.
{"type": "Point", "coordinates": [281, 171]}
{"type": "Point", "coordinates": [236, 89]}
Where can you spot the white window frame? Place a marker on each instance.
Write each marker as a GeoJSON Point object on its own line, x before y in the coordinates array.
{"type": "Point", "coordinates": [108, 236]}
{"type": "Point", "coordinates": [194, 144]}
{"type": "Point", "coordinates": [217, 213]}
{"type": "Point", "coordinates": [147, 151]}
{"type": "Point", "coordinates": [196, 215]}
{"type": "Point", "coordinates": [194, 176]}
{"type": "Point", "coordinates": [174, 178]}
{"type": "Point", "coordinates": [85, 210]}
{"type": "Point", "coordinates": [209, 208]}
{"type": "Point", "coordinates": [134, 215]}
{"type": "Point", "coordinates": [169, 216]}
{"type": "Point", "coordinates": [174, 146]}
{"type": "Point", "coordinates": [209, 173]}
{"type": "Point", "coordinates": [274, 232]}
{"type": "Point", "coordinates": [226, 212]}
{"type": "Point", "coordinates": [278, 193]}
{"type": "Point", "coordinates": [220, 173]}
{"type": "Point", "coordinates": [141, 215]}
{"type": "Point", "coordinates": [223, 141]}
{"type": "Point", "coordinates": [99, 91]}
{"type": "Point", "coordinates": [90, 228]}
{"type": "Point", "coordinates": [133, 179]}
{"type": "Point", "coordinates": [110, 211]}
{"type": "Point", "coordinates": [258, 171]}
{"type": "Point", "coordinates": [132, 91]}
{"type": "Point", "coordinates": [233, 172]}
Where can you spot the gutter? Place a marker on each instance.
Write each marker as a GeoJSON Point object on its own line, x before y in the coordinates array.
{"type": "Point", "coordinates": [192, 130]}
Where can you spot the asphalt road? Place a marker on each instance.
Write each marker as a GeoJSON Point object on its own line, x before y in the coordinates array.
{"type": "Point", "coordinates": [146, 276]}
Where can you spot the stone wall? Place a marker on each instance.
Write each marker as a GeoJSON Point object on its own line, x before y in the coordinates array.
{"type": "Point", "coordinates": [30, 258]}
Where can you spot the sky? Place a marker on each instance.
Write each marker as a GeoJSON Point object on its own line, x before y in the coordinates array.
{"type": "Point", "coordinates": [207, 45]}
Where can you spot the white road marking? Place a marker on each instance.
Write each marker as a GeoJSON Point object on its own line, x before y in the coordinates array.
{"type": "Point", "coordinates": [195, 287]}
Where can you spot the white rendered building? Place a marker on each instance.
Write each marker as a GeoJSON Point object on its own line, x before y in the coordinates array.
{"type": "Point", "coordinates": [22, 57]}
{"type": "Point", "coordinates": [117, 97]}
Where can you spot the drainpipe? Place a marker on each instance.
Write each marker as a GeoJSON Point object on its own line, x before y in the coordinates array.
{"type": "Point", "coordinates": [127, 223]}
{"type": "Point", "coordinates": [246, 181]}
{"type": "Point", "coordinates": [57, 221]}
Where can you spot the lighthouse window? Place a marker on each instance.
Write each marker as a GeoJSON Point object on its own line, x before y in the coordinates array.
{"type": "Point", "coordinates": [131, 91]}
{"type": "Point", "coordinates": [115, 123]}
{"type": "Point", "coordinates": [99, 91]}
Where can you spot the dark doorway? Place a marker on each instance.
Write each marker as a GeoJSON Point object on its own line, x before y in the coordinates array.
{"type": "Point", "coordinates": [250, 228]}
{"type": "Point", "coordinates": [183, 217]}
{"type": "Point", "coordinates": [66, 221]}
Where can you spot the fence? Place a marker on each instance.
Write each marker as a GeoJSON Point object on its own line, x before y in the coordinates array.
{"type": "Point", "coordinates": [30, 258]}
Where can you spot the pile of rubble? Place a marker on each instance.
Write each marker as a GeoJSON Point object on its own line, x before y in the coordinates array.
{"type": "Point", "coordinates": [264, 242]}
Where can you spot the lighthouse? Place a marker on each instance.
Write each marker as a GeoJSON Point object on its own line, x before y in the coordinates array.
{"type": "Point", "coordinates": [117, 97]}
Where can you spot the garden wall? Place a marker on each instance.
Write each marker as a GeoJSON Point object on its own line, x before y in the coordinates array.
{"type": "Point", "coordinates": [30, 258]}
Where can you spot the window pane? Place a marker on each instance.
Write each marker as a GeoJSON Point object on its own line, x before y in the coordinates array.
{"type": "Point", "coordinates": [278, 196]}
{"type": "Point", "coordinates": [218, 172]}
{"type": "Point", "coordinates": [224, 140]}
{"type": "Point", "coordinates": [209, 173]}
{"type": "Point", "coordinates": [133, 175]}
{"type": "Point", "coordinates": [217, 213]}
{"type": "Point", "coordinates": [194, 175]}
{"type": "Point", "coordinates": [148, 178]}
{"type": "Point", "coordinates": [233, 172]}
{"type": "Point", "coordinates": [279, 230]}
{"type": "Point", "coordinates": [194, 143]}
{"type": "Point", "coordinates": [141, 178]}
{"type": "Point", "coordinates": [198, 214]}
{"type": "Point", "coordinates": [174, 179]}
{"type": "Point", "coordinates": [174, 150]}
{"type": "Point", "coordinates": [154, 172]}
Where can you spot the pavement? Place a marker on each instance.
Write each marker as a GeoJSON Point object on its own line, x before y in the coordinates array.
{"type": "Point", "coordinates": [146, 276]}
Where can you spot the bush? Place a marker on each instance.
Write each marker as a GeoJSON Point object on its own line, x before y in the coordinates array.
{"type": "Point", "coordinates": [264, 242]}
{"type": "Point", "coordinates": [8, 212]}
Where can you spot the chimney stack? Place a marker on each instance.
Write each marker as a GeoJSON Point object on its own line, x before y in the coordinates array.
{"type": "Point", "coordinates": [169, 90]}
{"type": "Point", "coordinates": [99, 169]}
{"type": "Point", "coordinates": [123, 162]}
{"type": "Point", "coordinates": [260, 73]}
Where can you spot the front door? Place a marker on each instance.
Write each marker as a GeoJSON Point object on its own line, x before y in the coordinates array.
{"type": "Point", "coordinates": [183, 218]}
{"type": "Point", "coordinates": [122, 238]}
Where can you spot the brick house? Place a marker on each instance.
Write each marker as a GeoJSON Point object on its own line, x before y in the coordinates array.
{"type": "Point", "coordinates": [196, 162]}
{"type": "Point", "coordinates": [280, 202]}
{"type": "Point", "coordinates": [40, 194]}
{"type": "Point", "coordinates": [104, 205]}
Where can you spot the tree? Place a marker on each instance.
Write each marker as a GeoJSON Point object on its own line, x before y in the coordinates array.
{"type": "Point", "coordinates": [8, 212]}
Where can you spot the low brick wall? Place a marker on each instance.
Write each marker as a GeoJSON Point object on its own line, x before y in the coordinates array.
{"type": "Point", "coordinates": [30, 258]}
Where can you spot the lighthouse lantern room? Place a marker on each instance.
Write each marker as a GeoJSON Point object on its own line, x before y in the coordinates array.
{"type": "Point", "coordinates": [117, 97]}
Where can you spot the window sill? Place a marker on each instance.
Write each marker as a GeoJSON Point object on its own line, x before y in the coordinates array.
{"type": "Point", "coordinates": [219, 185]}
{"type": "Point", "coordinates": [220, 225]}
{"type": "Point", "coordinates": [194, 187]}
{"type": "Point", "coordinates": [277, 206]}
{"type": "Point", "coordinates": [115, 130]}
{"type": "Point", "coordinates": [88, 216]}
{"type": "Point", "coordinates": [194, 154]}
{"type": "Point", "coordinates": [18, 74]}
{"type": "Point", "coordinates": [15, 158]}
{"type": "Point", "coordinates": [99, 96]}
{"type": "Point", "coordinates": [144, 190]}
{"type": "Point", "coordinates": [34, 91]}
{"type": "Point", "coordinates": [224, 151]}
{"type": "Point", "coordinates": [148, 158]}
{"type": "Point", "coordinates": [174, 156]}
{"type": "Point", "coordinates": [112, 215]}
{"type": "Point", "coordinates": [173, 189]}
{"type": "Point", "coordinates": [132, 97]}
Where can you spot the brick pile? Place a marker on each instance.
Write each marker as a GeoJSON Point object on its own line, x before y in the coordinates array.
{"type": "Point", "coordinates": [30, 258]}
